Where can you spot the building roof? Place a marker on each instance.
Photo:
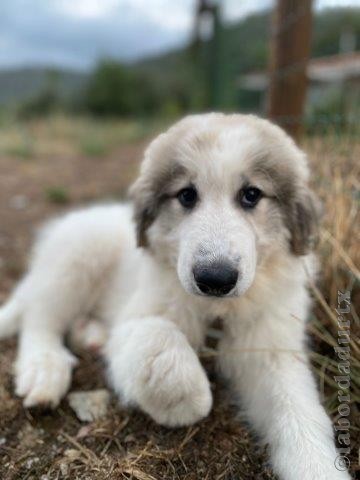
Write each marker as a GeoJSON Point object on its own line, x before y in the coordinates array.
{"type": "Point", "coordinates": [334, 68]}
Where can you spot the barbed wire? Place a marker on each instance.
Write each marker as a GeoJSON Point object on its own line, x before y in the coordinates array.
{"type": "Point", "coordinates": [346, 119]}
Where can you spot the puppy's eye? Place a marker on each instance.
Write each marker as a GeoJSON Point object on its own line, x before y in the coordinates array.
{"type": "Point", "coordinates": [188, 197]}
{"type": "Point", "coordinates": [249, 197]}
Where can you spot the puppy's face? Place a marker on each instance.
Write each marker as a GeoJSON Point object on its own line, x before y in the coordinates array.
{"type": "Point", "coordinates": [217, 196]}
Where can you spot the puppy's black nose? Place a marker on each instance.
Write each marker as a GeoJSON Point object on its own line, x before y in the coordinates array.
{"type": "Point", "coordinates": [216, 278]}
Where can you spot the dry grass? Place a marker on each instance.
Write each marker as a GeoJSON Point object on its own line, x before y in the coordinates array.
{"type": "Point", "coordinates": [336, 180]}
{"type": "Point", "coordinates": [127, 445]}
{"type": "Point", "coordinates": [61, 135]}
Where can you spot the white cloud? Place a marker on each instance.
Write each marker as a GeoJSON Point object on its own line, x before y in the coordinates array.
{"type": "Point", "coordinates": [77, 33]}
{"type": "Point", "coordinates": [86, 8]}
{"type": "Point", "coordinates": [234, 9]}
{"type": "Point", "coordinates": [165, 13]}
{"type": "Point", "coordinates": [337, 3]}
{"type": "Point", "coordinates": [168, 14]}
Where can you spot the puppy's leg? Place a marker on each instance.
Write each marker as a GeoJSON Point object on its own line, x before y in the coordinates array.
{"type": "Point", "coordinates": [44, 365]}
{"type": "Point", "coordinates": [153, 366]}
{"type": "Point", "coordinates": [71, 268]}
{"type": "Point", "coordinates": [281, 399]}
{"type": "Point", "coordinates": [52, 299]}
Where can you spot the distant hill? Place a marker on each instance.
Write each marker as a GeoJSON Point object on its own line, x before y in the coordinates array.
{"type": "Point", "coordinates": [244, 48]}
{"type": "Point", "coordinates": [18, 85]}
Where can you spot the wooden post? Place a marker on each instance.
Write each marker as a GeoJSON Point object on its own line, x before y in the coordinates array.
{"type": "Point", "coordinates": [290, 50]}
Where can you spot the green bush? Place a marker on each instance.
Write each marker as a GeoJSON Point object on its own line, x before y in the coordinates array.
{"type": "Point", "coordinates": [58, 195]}
{"type": "Point", "coordinates": [117, 90]}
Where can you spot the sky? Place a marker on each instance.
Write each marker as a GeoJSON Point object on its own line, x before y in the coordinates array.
{"type": "Point", "coordinates": [76, 33]}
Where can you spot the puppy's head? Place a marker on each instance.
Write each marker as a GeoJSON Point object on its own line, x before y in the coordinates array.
{"type": "Point", "coordinates": [219, 194]}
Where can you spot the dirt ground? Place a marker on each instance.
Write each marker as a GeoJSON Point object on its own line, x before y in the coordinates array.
{"type": "Point", "coordinates": [55, 445]}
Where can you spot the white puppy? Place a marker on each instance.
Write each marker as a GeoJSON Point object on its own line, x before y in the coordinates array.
{"type": "Point", "coordinates": [226, 221]}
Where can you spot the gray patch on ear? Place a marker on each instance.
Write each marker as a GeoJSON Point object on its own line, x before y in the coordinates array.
{"type": "Point", "coordinates": [149, 194]}
{"type": "Point", "coordinates": [143, 219]}
{"type": "Point", "coordinates": [301, 209]}
{"type": "Point", "coordinates": [302, 218]}
{"type": "Point", "coordinates": [281, 178]}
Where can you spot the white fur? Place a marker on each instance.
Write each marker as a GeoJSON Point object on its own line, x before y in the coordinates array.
{"type": "Point", "coordinates": [87, 263]}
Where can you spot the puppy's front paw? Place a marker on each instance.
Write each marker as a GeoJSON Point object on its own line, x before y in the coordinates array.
{"type": "Point", "coordinates": [152, 366]}
{"type": "Point", "coordinates": [175, 391]}
{"type": "Point", "coordinates": [43, 378]}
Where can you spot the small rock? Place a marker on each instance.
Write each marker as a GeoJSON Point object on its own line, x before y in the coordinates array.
{"type": "Point", "coordinates": [64, 469]}
{"type": "Point", "coordinates": [83, 432]}
{"type": "Point", "coordinates": [2, 441]}
{"type": "Point", "coordinates": [130, 438]}
{"type": "Point", "coordinates": [89, 406]}
{"type": "Point", "coordinates": [71, 454]}
{"type": "Point", "coordinates": [31, 461]}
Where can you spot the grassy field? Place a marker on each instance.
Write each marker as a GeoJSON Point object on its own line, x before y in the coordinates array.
{"type": "Point", "coordinates": [49, 166]}
{"type": "Point", "coordinates": [60, 135]}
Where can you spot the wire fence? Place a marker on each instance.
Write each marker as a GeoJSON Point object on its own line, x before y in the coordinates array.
{"type": "Point", "coordinates": [319, 95]}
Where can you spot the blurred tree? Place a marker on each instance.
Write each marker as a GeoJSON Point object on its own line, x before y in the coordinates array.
{"type": "Point", "coordinates": [329, 27]}
{"type": "Point", "coordinates": [244, 48]}
{"type": "Point", "coordinates": [116, 90]}
{"type": "Point", "coordinates": [46, 102]}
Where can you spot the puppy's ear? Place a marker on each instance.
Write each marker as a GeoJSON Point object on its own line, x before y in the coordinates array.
{"type": "Point", "coordinates": [150, 192]}
{"type": "Point", "coordinates": [146, 207]}
{"type": "Point", "coordinates": [303, 217]}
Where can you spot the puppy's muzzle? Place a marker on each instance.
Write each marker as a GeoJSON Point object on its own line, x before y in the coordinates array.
{"type": "Point", "coordinates": [215, 279]}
